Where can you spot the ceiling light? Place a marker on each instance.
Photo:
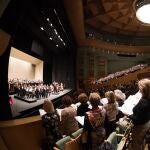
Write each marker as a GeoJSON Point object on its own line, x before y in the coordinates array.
{"type": "Point", "coordinates": [47, 19]}
{"type": "Point", "coordinates": [50, 38]}
{"type": "Point", "coordinates": [57, 45]}
{"type": "Point", "coordinates": [143, 11]}
{"type": "Point", "coordinates": [55, 31]}
{"type": "Point", "coordinates": [42, 28]}
{"type": "Point", "coordinates": [51, 24]}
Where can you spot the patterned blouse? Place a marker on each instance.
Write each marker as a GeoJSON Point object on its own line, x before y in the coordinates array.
{"type": "Point", "coordinates": [51, 123]}
{"type": "Point", "coordinates": [94, 119]}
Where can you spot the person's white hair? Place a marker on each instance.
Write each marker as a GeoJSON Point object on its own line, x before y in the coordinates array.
{"type": "Point", "coordinates": [119, 94]}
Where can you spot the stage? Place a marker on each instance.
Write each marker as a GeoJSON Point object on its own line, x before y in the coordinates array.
{"type": "Point", "coordinates": [23, 108]}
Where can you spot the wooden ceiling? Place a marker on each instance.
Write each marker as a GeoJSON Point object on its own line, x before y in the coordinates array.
{"type": "Point", "coordinates": [110, 16]}
{"type": "Point", "coordinates": [114, 16]}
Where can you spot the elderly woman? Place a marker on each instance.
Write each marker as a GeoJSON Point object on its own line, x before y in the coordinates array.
{"type": "Point", "coordinates": [83, 108]}
{"type": "Point", "coordinates": [120, 97]}
{"type": "Point", "coordinates": [51, 123]}
{"type": "Point", "coordinates": [68, 121]}
{"type": "Point", "coordinates": [94, 120]}
{"type": "Point", "coordinates": [141, 116]}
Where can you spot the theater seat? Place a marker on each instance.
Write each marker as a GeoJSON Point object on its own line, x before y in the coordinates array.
{"type": "Point", "coordinates": [69, 144]}
{"type": "Point", "coordinates": [114, 139]}
{"type": "Point", "coordinates": [76, 133]}
{"type": "Point", "coordinates": [121, 144]}
{"type": "Point", "coordinates": [74, 144]}
{"type": "Point", "coordinates": [60, 144]}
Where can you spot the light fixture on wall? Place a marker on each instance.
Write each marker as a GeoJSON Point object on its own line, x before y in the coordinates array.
{"type": "Point", "coordinates": [143, 11]}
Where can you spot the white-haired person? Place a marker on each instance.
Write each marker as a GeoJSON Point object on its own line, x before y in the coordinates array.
{"type": "Point", "coordinates": [51, 123]}
{"type": "Point", "coordinates": [120, 99]}
{"type": "Point", "coordinates": [141, 116]}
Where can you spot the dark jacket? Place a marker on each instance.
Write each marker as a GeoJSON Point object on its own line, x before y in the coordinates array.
{"type": "Point", "coordinates": [82, 109]}
{"type": "Point", "coordinates": [141, 112]}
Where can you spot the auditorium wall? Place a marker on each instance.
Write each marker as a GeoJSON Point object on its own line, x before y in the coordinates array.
{"type": "Point", "coordinates": [118, 65]}
{"type": "Point", "coordinates": [20, 69]}
{"type": "Point", "coordinates": [94, 63]}
{"type": "Point", "coordinates": [38, 71]}
{"type": "Point", "coordinates": [24, 66]}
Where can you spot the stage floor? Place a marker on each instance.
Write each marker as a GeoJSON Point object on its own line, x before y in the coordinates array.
{"type": "Point", "coordinates": [20, 105]}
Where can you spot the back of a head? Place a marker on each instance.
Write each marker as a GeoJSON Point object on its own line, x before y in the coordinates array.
{"type": "Point", "coordinates": [66, 100]}
{"type": "Point", "coordinates": [144, 87]}
{"type": "Point", "coordinates": [94, 99]}
{"type": "Point", "coordinates": [119, 94]}
{"type": "Point", "coordinates": [82, 98]}
{"type": "Point", "coordinates": [48, 106]}
{"type": "Point", "coordinates": [110, 96]}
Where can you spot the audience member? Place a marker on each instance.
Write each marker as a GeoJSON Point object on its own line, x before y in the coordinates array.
{"type": "Point", "coordinates": [120, 97]}
{"type": "Point", "coordinates": [111, 112]}
{"type": "Point", "coordinates": [94, 119]}
{"type": "Point", "coordinates": [83, 108]}
{"type": "Point", "coordinates": [51, 123]}
{"type": "Point", "coordinates": [141, 116]}
{"type": "Point", "coordinates": [68, 121]}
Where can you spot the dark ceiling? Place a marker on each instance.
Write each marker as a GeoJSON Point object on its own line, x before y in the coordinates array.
{"type": "Point", "coordinates": [43, 21]}
{"type": "Point", "coordinates": [114, 16]}
{"type": "Point", "coordinates": [46, 21]}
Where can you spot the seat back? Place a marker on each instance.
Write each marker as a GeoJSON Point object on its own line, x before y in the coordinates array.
{"type": "Point", "coordinates": [77, 133]}
{"type": "Point", "coordinates": [60, 144]}
{"type": "Point", "coordinates": [121, 144]}
{"type": "Point", "coordinates": [74, 144]}
{"type": "Point", "coordinates": [112, 139]}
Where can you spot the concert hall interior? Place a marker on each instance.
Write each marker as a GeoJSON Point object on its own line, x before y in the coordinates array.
{"type": "Point", "coordinates": [50, 49]}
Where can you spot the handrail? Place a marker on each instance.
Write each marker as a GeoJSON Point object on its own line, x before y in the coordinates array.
{"type": "Point", "coordinates": [20, 121]}
{"type": "Point", "coordinates": [23, 133]}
